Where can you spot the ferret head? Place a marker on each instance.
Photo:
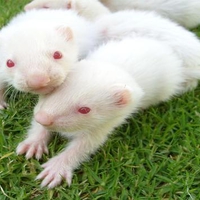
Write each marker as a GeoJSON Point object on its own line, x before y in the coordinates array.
{"type": "Point", "coordinates": [36, 58]}
{"type": "Point", "coordinates": [93, 97]}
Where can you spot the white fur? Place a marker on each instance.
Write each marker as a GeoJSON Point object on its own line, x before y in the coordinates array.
{"type": "Point", "coordinates": [114, 82]}
{"type": "Point", "coordinates": [185, 12]}
{"type": "Point", "coordinates": [140, 23]}
{"type": "Point", "coordinates": [46, 31]}
{"type": "Point", "coordinates": [31, 39]}
{"type": "Point", "coordinates": [84, 34]}
{"type": "Point", "coordinates": [89, 9]}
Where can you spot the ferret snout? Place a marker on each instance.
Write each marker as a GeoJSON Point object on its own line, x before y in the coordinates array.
{"type": "Point", "coordinates": [43, 118]}
{"type": "Point", "coordinates": [37, 81]}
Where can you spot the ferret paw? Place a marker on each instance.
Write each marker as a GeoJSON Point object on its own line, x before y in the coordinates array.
{"type": "Point", "coordinates": [2, 100]}
{"type": "Point", "coordinates": [3, 105]}
{"type": "Point", "coordinates": [55, 170]}
{"type": "Point", "coordinates": [32, 148]}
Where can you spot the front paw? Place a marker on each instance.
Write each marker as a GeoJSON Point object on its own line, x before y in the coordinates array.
{"type": "Point", "coordinates": [55, 170]}
{"type": "Point", "coordinates": [32, 148]}
{"type": "Point", "coordinates": [3, 105]}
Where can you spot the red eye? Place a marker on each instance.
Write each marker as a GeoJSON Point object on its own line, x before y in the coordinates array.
{"type": "Point", "coordinates": [84, 110]}
{"type": "Point", "coordinates": [57, 55]}
{"type": "Point", "coordinates": [10, 63]}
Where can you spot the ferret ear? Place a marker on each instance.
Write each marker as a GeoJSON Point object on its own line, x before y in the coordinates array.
{"type": "Point", "coordinates": [121, 94]}
{"type": "Point", "coordinates": [65, 32]}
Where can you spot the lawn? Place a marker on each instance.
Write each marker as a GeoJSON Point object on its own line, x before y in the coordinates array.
{"type": "Point", "coordinates": [156, 155]}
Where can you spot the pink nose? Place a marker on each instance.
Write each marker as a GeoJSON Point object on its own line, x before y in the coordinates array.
{"type": "Point", "coordinates": [43, 118]}
{"type": "Point", "coordinates": [38, 81]}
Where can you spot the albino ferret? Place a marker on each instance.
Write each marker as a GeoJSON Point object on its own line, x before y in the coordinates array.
{"type": "Point", "coordinates": [136, 23]}
{"type": "Point", "coordinates": [99, 94]}
{"type": "Point", "coordinates": [38, 47]}
{"type": "Point", "coordinates": [140, 23]}
{"type": "Point", "coordinates": [184, 12]}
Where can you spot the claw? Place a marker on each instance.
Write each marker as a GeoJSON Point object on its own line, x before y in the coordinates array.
{"type": "Point", "coordinates": [54, 172]}
{"type": "Point", "coordinates": [32, 148]}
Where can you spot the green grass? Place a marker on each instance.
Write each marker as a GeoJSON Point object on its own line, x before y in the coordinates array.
{"type": "Point", "coordinates": [156, 155]}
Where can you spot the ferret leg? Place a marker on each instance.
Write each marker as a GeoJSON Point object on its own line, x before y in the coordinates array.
{"type": "Point", "coordinates": [36, 142]}
{"type": "Point", "coordinates": [62, 166]}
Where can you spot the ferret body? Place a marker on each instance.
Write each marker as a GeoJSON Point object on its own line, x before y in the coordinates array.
{"type": "Point", "coordinates": [184, 12]}
{"type": "Point", "coordinates": [98, 96]}
{"type": "Point", "coordinates": [136, 23]}
{"type": "Point", "coordinates": [38, 48]}
{"type": "Point", "coordinates": [140, 23]}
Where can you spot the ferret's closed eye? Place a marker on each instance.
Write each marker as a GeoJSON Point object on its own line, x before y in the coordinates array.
{"type": "Point", "coordinates": [84, 110]}
{"type": "Point", "coordinates": [10, 63]}
{"type": "Point", "coordinates": [57, 55]}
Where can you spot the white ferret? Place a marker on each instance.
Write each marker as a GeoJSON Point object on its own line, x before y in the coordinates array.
{"type": "Point", "coordinates": [99, 94]}
{"type": "Point", "coordinates": [185, 12]}
{"type": "Point", "coordinates": [139, 23]}
{"type": "Point", "coordinates": [38, 48]}
{"type": "Point", "coordinates": [136, 23]}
